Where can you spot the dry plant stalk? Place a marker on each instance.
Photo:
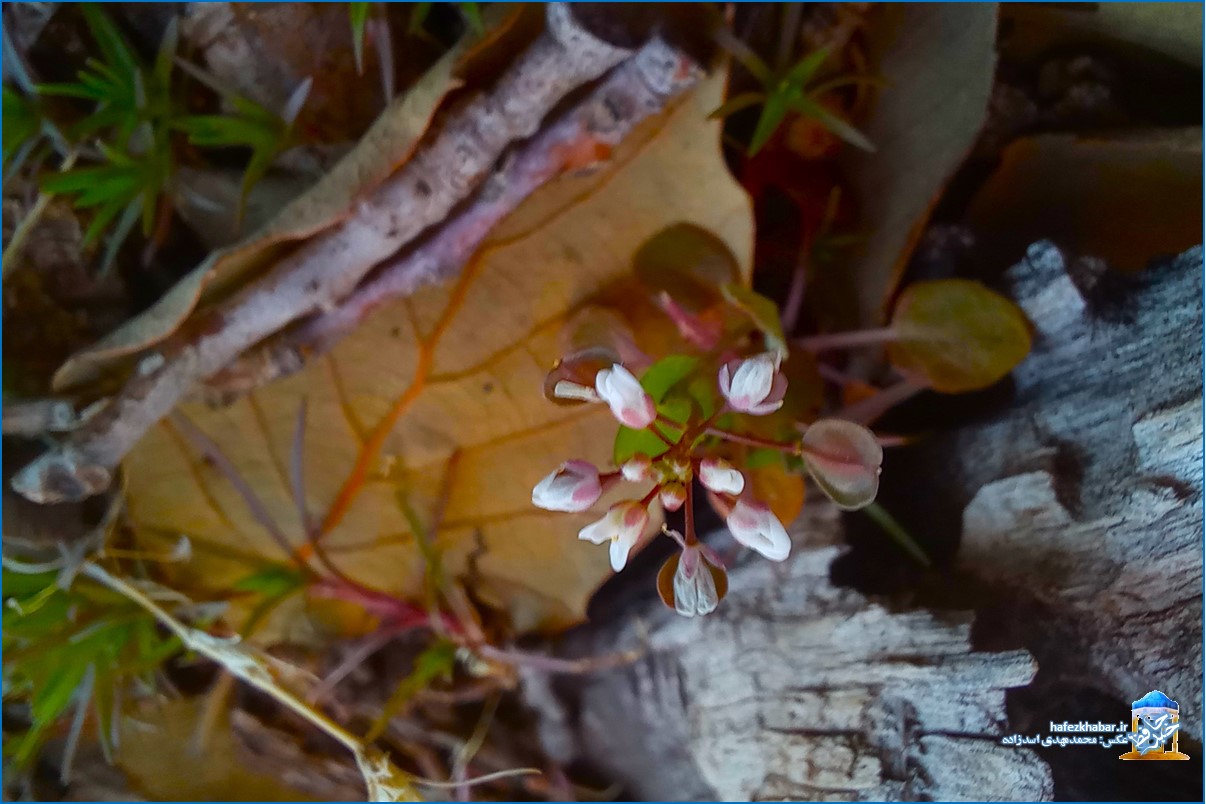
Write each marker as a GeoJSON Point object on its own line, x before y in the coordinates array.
{"type": "Point", "coordinates": [323, 272]}
{"type": "Point", "coordinates": [637, 89]}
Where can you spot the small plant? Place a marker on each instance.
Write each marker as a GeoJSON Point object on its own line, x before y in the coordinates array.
{"type": "Point", "coordinates": [73, 653]}
{"type": "Point", "coordinates": [792, 90]}
{"type": "Point", "coordinates": [739, 411]}
{"type": "Point", "coordinates": [129, 134]}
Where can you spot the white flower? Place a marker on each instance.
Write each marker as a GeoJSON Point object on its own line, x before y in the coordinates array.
{"type": "Point", "coordinates": [718, 475]}
{"type": "Point", "coordinates": [637, 469]}
{"type": "Point", "coordinates": [574, 486]}
{"type": "Point", "coordinates": [753, 385]}
{"type": "Point", "coordinates": [754, 524]}
{"type": "Point", "coordinates": [623, 393]}
{"type": "Point", "coordinates": [622, 525]}
{"type": "Point", "coordinates": [694, 587]}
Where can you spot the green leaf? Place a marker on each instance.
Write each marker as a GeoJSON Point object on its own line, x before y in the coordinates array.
{"type": "Point", "coordinates": [955, 335]}
{"type": "Point", "coordinates": [810, 108]}
{"type": "Point", "coordinates": [125, 225]}
{"type": "Point", "coordinates": [436, 662]}
{"type": "Point", "coordinates": [736, 104]}
{"type": "Point", "coordinates": [52, 694]}
{"type": "Point", "coordinates": [272, 580]}
{"type": "Point", "coordinates": [666, 373]}
{"type": "Point", "coordinates": [630, 442]}
{"type": "Point", "coordinates": [471, 12]}
{"type": "Point", "coordinates": [112, 45]}
{"type": "Point", "coordinates": [21, 121]}
{"type": "Point", "coordinates": [745, 56]}
{"type": "Point", "coordinates": [764, 458]}
{"type": "Point", "coordinates": [418, 16]}
{"type": "Point", "coordinates": [897, 533]}
{"type": "Point", "coordinates": [358, 14]}
{"type": "Point", "coordinates": [798, 76]}
{"type": "Point", "coordinates": [773, 112]}
{"type": "Point", "coordinates": [844, 459]}
{"type": "Point", "coordinates": [762, 311]}
{"type": "Point", "coordinates": [275, 584]}
{"type": "Point", "coordinates": [688, 262]}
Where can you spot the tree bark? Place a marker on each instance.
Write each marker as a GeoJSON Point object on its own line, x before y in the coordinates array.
{"type": "Point", "coordinates": [1086, 506]}
{"type": "Point", "coordinates": [795, 689]}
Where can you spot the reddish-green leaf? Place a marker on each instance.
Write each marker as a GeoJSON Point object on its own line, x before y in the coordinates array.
{"type": "Point", "coordinates": [688, 262]}
{"type": "Point", "coordinates": [956, 335]}
{"type": "Point", "coordinates": [762, 311]}
{"type": "Point", "coordinates": [844, 459]}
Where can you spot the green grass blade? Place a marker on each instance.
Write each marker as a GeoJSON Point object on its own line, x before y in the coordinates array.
{"type": "Point", "coordinates": [879, 515]}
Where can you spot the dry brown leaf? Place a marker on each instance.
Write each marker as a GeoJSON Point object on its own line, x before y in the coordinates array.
{"type": "Point", "coordinates": [157, 756]}
{"type": "Point", "coordinates": [1174, 29]}
{"type": "Point", "coordinates": [1126, 198]}
{"type": "Point", "coordinates": [386, 410]}
{"type": "Point", "coordinates": [938, 60]}
{"type": "Point", "coordinates": [383, 149]}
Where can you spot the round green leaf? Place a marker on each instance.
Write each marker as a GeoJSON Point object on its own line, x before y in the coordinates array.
{"type": "Point", "coordinates": [762, 311]}
{"type": "Point", "coordinates": [689, 263]}
{"type": "Point", "coordinates": [844, 459]}
{"type": "Point", "coordinates": [658, 380]}
{"type": "Point", "coordinates": [955, 335]}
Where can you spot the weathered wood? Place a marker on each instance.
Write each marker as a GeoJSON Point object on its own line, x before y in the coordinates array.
{"type": "Point", "coordinates": [1087, 506]}
{"type": "Point", "coordinates": [794, 688]}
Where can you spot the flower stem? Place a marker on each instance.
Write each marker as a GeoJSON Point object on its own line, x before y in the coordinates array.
{"type": "Point", "coordinates": [689, 514]}
{"type": "Point", "coordinates": [868, 410]}
{"type": "Point", "coordinates": [846, 340]}
{"type": "Point", "coordinates": [754, 441]}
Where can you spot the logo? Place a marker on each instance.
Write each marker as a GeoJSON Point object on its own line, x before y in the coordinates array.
{"type": "Point", "coordinates": [1155, 723]}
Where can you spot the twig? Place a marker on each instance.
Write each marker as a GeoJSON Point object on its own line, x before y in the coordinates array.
{"type": "Point", "coordinates": [553, 664]}
{"type": "Point", "coordinates": [326, 269]}
{"type": "Point", "coordinates": [381, 777]}
{"type": "Point", "coordinates": [637, 89]}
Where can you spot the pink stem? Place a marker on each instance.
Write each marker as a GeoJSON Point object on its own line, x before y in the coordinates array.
{"type": "Point", "coordinates": [846, 340]}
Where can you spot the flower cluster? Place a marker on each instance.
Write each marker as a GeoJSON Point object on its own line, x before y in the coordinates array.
{"type": "Point", "coordinates": [744, 386]}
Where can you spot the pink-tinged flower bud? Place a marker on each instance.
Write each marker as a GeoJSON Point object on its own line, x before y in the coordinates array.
{"type": "Point", "coordinates": [572, 380]}
{"type": "Point", "coordinates": [573, 487]}
{"type": "Point", "coordinates": [718, 475]}
{"type": "Point", "coordinates": [622, 525]}
{"type": "Point", "coordinates": [753, 385]}
{"type": "Point", "coordinates": [694, 586]}
{"type": "Point", "coordinates": [673, 495]}
{"type": "Point", "coordinates": [637, 469]}
{"type": "Point", "coordinates": [754, 525]}
{"type": "Point", "coordinates": [623, 393]}
{"type": "Point", "coordinates": [693, 582]}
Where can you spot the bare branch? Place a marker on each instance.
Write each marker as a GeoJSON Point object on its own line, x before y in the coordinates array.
{"type": "Point", "coordinates": [326, 269]}
{"type": "Point", "coordinates": [635, 90]}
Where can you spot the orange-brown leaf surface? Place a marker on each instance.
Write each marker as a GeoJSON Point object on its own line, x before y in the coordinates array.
{"type": "Point", "coordinates": [456, 369]}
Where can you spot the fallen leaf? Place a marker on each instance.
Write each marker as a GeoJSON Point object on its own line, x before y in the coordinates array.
{"type": "Point", "coordinates": [1126, 198]}
{"type": "Point", "coordinates": [383, 148]}
{"type": "Point", "coordinates": [939, 61]}
{"type": "Point", "coordinates": [157, 756]}
{"type": "Point", "coordinates": [1174, 29]}
{"type": "Point", "coordinates": [956, 335]}
{"type": "Point", "coordinates": [386, 414]}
